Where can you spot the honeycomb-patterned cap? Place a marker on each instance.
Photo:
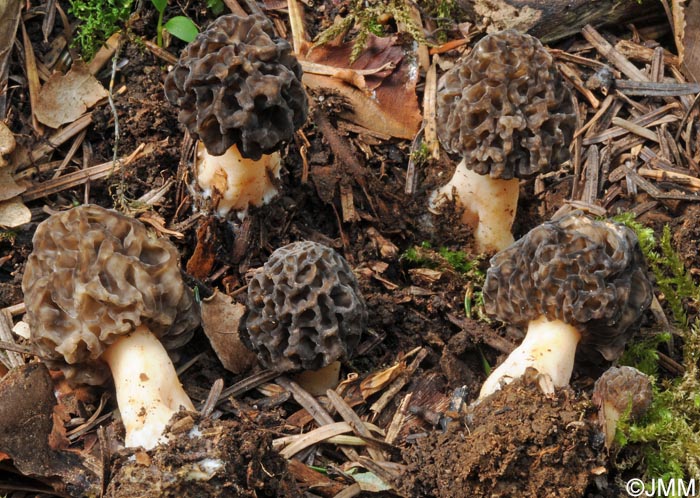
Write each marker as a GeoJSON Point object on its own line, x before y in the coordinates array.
{"type": "Point", "coordinates": [589, 274]}
{"type": "Point", "coordinates": [626, 389]}
{"type": "Point", "coordinates": [305, 310]}
{"type": "Point", "coordinates": [505, 109]}
{"type": "Point", "coordinates": [95, 275]}
{"type": "Point", "coordinates": [239, 84]}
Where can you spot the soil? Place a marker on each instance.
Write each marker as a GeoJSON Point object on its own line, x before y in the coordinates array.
{"type": "Point", "coordinates": [518, 443]}
{"type": "Point", "coordinates": [204, 458]}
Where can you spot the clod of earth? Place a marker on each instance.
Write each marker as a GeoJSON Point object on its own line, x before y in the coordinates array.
{"type": "Point", "coordinates": [207, 457]}
{"type": "Point", "coordinates": [102, 294]}
{"type": "Point", "coordinates": [621, 392]}
{"type": "Point", "coordinates": [238, 87]}
{"type": "Point", "coordinates": [521, 443]}
{"type": "Point", "coordinates": [569, 281]}
{"type": "Point", "coordinates": [305, 309]}
{"type": "Point", "coordinates": [507, 112]}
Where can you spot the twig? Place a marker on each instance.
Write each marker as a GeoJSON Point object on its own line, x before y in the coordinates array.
{"type": "Point", "coordinates": [247, 384]}
{"type": "Point", "coordinates": [652, 89]}
{"type": "Point", "coordinates": [213, 398]}
{"type": "Point", "coordinates": [349, 415]}
{"type": "Point", "coordinates": [398, 384]}
{"type": "Point", "coordinates": [309, 403]}
{"type": "Point", "coordinates": [79, 177]}
{"type": "Point", "coordinates": [608, 51]}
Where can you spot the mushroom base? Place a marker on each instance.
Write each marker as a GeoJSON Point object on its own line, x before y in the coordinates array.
{"type": "Point", "coordinates": [317, 382]}
{"type": "Point", "coordinates": [233, 183]}
{"type": "Point", "coordinates": [148, 390]}
{"type": "Point", "coordinates": [489, 205]}
{"type": "Point", "coordinates": [549, 347]}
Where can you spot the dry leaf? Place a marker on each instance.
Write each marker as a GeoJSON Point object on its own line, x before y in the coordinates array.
{"type": "Point", "coordinates": [220, 319]}
{"type": "Point", "coordinates": [13, 212]}
{"type": "Point", "coordinates": [65, 97]}
{"type": "Point", "coordinates": [678, 13]}
{"type": "Point", "coordinates": [203, 258]}
{"type": "Point", "coordinates": [9, 20]}
{"type": "Point", "coordinates": [392, 106]}
{"type": "Point", "coordinates": [376, 381]}
{"type": "Point", "coordinates": [689, 49]}
{"type": "Point", "coordinates": [27, 405]}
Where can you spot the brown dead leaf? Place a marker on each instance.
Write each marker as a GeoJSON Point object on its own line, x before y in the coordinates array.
{"type": "Point", "coordinates": [678, 13]}
{"type": "Point", "coordinates": [377, 381]}
{"type": "Point", "coordinates": [65, 97]}
{"type": "Point", "coordinates": [9, 21]}
{"type": "Point", "coordinates": [387, 104]}
{"type": "Point", "coordinates": [202, 260]}
{"type": "Point", "coordinates": [13, 212]}
{"type": "Point", "coordinates": [26, 424]}
{"type": "Point", "coordinates": [220, 319]}
{"type": "Point", "coordinates": [689, 49]}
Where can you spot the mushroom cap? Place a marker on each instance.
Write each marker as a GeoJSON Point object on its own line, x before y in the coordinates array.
{"type": "Point", "coordinates": [239, 84]}
{"type": "Point", "coordinates": [589, 274]}
{"type": "Point", "coordinates": [305, 310]}
{"type": "Point", "coordinates": [505, 109]}
{"type": "Point", "coordinates": [95, 275]}
{"type": "Point", "coordinates": [625, 388]}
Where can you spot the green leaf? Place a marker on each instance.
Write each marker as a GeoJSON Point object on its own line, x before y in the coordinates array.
{"type": "Point", "coordinates": [183, 28]}
{"type": "Point", "coordinates": [216, 6]}
{"type": "Point", "coordinates": [160, 5]}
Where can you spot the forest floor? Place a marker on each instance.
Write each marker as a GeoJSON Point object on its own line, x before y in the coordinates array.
{"type": "Point", "coordinates": [355, 180]}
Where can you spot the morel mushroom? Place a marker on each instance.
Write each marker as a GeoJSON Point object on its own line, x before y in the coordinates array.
{"type": "Point", "coordinates": [569, 281]}
{"type": "Point", "coordinates": [506, 111]}
{"type": "Point", "coordinates": [239, 91]}
{"type": "Point", "coordinates": [621, 391]}
{"type": "Point", "coordinates": [101, 294]}
{"type": "Point", "coordinates": [305, 309]}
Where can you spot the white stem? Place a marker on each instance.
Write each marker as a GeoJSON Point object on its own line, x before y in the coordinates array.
{"type": "Point", "coordinates": [549, 347]}
{"type": "Point", "coordinates": [233, 182]}
{"type": "Point", "coordinates": [148, 390]}
{"type": "Point", "coordinates": [489, 206]}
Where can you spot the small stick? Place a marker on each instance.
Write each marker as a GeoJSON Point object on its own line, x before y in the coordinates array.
{"type": "Point", "coordinates": [609, 52]}
{"type": "Point", "coordinates": [349, 415]}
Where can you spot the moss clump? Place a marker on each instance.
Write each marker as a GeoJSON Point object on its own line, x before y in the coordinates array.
{"type": "Point", "coordinates": [99, 19]}
{"type": "Point", "coordinates": [470, 270]}
{"type": "Point", "coordinates": [368, 17]}
{"type": "Point", "coordinates": [669, 434]}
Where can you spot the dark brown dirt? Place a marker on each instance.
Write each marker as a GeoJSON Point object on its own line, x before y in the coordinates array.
{"type": "Point", "coordinates": [518, 442]}
{"type": "Point", "coordinates": [205, 458]}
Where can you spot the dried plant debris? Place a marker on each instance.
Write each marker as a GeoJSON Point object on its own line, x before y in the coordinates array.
{"type": "Point", "coordinates": [30, 436]}
{"type": "Point", "coordinates": [204, 458]}
{"type": "Point", "coordinates": [638, 139]}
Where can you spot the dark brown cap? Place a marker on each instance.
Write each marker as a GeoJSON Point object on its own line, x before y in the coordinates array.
{"type": "Point", "coordinates": [239, 84]}
{"type": "Point", "coordinates": [305, 310]}
{"type": "Point", "coordinates": [589, 274]}
{"type": "Point", "coordinates": [505, 108]}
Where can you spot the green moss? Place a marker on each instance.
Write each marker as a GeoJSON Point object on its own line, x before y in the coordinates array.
{"type": "Point", "coordinates": [99, 19]}
{"type": "Point", "coordinates": [469, 269]}
{"type": "Point", "coordinates": [672, 279]}
{"type": "Point", "coordinates": [364, 16]}
{"type": "Point", "coordinates": [444, 12]}
{"type": "Point", "coordinates": [669, 434]}
{"type": "Point", "coordinates": [8, 235]}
